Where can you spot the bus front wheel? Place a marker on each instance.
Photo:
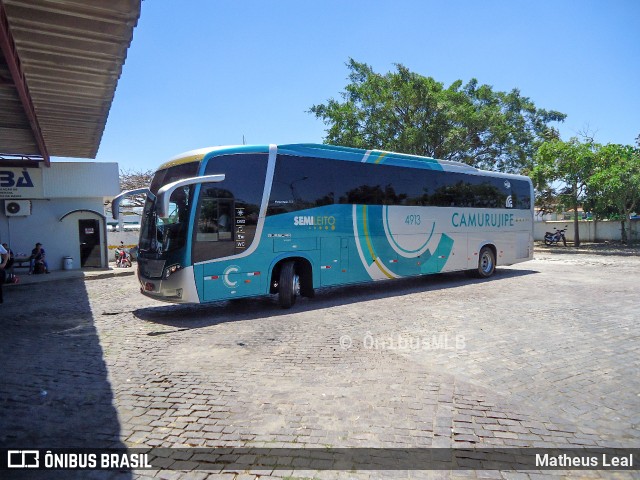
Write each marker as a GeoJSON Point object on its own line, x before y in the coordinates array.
{"type": "Point", "coordinates": [289, 285]}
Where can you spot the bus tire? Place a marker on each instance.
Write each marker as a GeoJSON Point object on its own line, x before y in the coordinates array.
{"type": "Point", "coordinates": [289, 285]}
{"type": "Point", "coordinates": [306, 283]}
{"type": "Point", "coordinates": [486, 263]}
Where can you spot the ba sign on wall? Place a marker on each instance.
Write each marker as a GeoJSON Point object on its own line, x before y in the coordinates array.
{"type": "Point", "coordinates": [16, 183]}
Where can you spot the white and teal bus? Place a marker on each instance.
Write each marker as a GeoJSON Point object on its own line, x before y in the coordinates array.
{"type": "Point", "coordinates": [232, 222]}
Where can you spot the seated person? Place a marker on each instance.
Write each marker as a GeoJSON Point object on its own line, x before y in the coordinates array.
{"type": "Point", "coordinates": [38, 256]}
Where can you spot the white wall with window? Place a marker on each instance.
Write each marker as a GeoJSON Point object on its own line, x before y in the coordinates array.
{"type": "Point", "coordinates": [61, 207]}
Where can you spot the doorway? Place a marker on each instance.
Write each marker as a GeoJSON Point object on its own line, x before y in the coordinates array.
{"type": "Point", "coordinates": [90, 251]}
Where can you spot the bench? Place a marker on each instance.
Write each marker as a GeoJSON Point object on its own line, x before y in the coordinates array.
{"type": "Point", "coordinates": [21, 262]}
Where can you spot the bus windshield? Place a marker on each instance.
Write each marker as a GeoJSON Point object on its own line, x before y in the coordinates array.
{"type": "Point", "coordinates": [160, 236]}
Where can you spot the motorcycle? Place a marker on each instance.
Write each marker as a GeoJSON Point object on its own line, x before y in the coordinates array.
{"type": "Point", "coordinates": [553, 238]}
{"type": "Point", "coordinates": [123, 259]}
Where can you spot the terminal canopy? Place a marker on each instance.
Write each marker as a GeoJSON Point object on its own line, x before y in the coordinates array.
{"type": "Point", "coordinates": [60, 61]}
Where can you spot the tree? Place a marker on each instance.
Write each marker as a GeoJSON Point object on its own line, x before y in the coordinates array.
{"type": "Point", "coordinates": [546, 197]}
{"type": "Point", "coordinates": [616, 181]}
{"type": "Point", "coordinates": [407, 112]}
{"type": "Point", "coordinates": [570, 163]}
{"type": "Point", "coordinates": [133, 179]}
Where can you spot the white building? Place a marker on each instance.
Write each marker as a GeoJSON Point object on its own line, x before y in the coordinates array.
{"type": "Point", "coordinates": [61, 206]}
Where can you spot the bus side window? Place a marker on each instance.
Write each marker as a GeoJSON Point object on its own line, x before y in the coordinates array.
{"type": "Point", "coordinates": [225, 223]}
{"type": "Point", "coordinates": [215, 220]}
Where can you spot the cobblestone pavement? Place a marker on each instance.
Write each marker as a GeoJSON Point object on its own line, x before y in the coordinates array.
{"type": "Point", "coordinates": [544, 354]}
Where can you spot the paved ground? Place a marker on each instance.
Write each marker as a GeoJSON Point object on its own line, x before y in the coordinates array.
{"type": "Point", "coordinates": [544, 354]}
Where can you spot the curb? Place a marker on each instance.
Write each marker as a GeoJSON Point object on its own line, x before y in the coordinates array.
{"type": "Point", "coordinates": [100, 276]}
{"type": "Point", "coordinates": [78, 275]}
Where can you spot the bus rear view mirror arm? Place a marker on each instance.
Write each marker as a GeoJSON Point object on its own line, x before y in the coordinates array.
{"type": "Point", "coordinates": [115, 203]}
{"type": "Point", "coordinates": [164, 194]}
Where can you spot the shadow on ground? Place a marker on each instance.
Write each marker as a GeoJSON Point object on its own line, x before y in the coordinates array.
{"type": "Point", "coordinates": [185, 317]}
{"type": "Point", "coordinates": [55, 391]}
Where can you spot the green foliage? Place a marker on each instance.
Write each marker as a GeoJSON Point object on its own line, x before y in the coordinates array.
{"type": "Point", "coordinates": [615, 181]}
{"type": "Point", "coordinates": [570, 163]}
{"type": "Point", "coordinates": [604, 179]}
{"type": "Point", "coordinates": [406, 112]}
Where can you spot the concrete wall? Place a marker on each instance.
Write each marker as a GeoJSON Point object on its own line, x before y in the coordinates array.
{"type": "Point", "coordinates": [58, 238]}
{"type": "Point", "coordinates": [130, 240]}
{"type": "Point", "coordinates": [54, 192]}
{"type": "Point", "coordinates": [80, 180]}
{"type": "Point", "coordinates": [590, 231]}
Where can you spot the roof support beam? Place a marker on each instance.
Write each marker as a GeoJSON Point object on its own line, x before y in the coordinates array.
{"type": "Point", "coordinates": [8, 47]}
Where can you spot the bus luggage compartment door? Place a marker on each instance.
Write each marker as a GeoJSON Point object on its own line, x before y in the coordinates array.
{"type": "Point", "coordinates": [334, 258]}
{"type": "Point", "coordinates": [231, 281]}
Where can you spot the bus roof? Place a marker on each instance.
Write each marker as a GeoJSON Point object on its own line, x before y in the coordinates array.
{"type": "Point", "coordinates": [336, 153]}
{"type": "Point", "coordinates": [371, 156]}
{"type": "Point", "coordinates": [198, 154]}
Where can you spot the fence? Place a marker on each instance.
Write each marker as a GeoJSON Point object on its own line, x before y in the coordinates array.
{"type": "Point", "coordinates": [130, 239]}
{"type": "Point", "coordinates": [590, 231]}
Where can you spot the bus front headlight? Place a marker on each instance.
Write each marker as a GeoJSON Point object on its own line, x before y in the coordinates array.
{"type": "Point", "coordinates": [171, 270]}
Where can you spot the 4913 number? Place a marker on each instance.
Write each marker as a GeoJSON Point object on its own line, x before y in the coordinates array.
{"type": "Point", "coordinates": [412, 220]}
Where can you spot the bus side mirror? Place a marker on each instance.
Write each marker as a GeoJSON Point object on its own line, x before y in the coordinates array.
{"type": "Point", "coordinates": [164, 194]}
{"type": "Point", "coordinates": [115, 203]}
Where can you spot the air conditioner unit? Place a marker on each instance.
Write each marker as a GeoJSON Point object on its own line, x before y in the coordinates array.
{"type": "Point", "coordinates": [17, 208]}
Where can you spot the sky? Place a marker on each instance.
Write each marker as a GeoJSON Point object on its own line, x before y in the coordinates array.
{"type": "Point", "coordinates": [203, 73]}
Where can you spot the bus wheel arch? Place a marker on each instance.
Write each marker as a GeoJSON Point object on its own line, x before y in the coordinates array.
{"type": "Point", "coordinates": [487, 261]}
{"type": "Point", "coordinates": [299, 267]}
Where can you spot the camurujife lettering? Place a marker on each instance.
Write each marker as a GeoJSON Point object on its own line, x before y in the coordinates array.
{"type": "Point", "coordinates": [486, 220]}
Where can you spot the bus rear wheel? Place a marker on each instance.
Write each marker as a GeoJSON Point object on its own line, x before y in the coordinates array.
{"type": "Point", "coordinates": [289, 285]}
{"type": "Point", "coordinates": [486, 263]}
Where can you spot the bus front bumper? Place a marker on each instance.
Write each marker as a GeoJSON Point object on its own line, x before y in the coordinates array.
{"type": "Point", "coordinates": [179, 287]}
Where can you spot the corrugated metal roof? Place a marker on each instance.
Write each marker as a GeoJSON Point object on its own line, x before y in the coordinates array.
{"type": "Point", "coordinates": [71, 53]}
